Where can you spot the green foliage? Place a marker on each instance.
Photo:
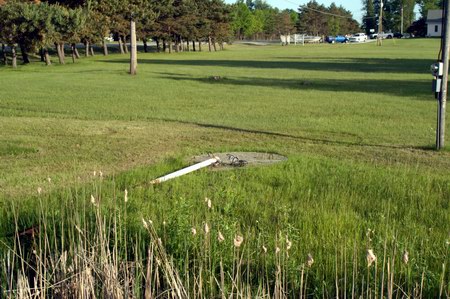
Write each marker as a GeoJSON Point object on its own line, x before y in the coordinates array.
{"type": "Point", "coordinates": [316, 19]}
{"type": "Point", "coordinates": [242, 20]}
{"type": "Point", "coordinates": [392, 14]}
{"type": "Point", "coordinates": [426, 5]}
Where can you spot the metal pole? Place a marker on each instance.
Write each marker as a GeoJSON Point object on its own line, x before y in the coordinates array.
{"type": "Point", "coordinates": [440, 132]}
{"type": "Point", "coordinates": [380, 24]}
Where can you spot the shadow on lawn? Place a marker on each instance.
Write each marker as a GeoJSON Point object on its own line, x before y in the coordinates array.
{"type": "Point", "coordinates": [386, 86]}
{"type": "Point", "coordinates": [334, 142]}
{"type": "Point", "coordinates": [375, 65]}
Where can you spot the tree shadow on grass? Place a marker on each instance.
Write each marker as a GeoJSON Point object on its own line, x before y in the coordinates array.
{"type": "Point", "coordinates": [315, 140]}
{"type": "Point", "coordinates": [365, 65]}
{"type": "Point", "coordinates": [415, 89]}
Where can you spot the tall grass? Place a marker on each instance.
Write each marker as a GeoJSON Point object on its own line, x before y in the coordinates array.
{"type": "Point", "coordinates": [233, 234]}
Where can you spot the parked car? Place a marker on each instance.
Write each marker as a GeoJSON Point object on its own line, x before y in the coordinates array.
{"type": "Point", "coordinates": [398, 35]}
{"type": "Point", "coordinates": [384, 35]}
{"type": "Point", "coordinates": [358, 38]}
{"type": "Point", "coordinates": [408, 35]}
{"type": "Point", "coordinates": [336, 39]}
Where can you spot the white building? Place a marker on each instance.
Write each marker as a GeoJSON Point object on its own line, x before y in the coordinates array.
{"type": "Point", "coordinates": [434, 22]}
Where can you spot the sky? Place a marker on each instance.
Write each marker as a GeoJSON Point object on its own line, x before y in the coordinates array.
{"type": "Point", "coordinates": [355, 6]}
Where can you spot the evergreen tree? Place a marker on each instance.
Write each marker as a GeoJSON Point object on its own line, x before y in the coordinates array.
{"type": "Point", "coordinates": [369, 18]}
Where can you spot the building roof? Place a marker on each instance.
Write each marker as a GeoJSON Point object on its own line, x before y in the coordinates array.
{"type": "Point", "coordinates": [434, 16]}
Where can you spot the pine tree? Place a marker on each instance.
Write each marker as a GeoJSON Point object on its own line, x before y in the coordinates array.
{"type": "Point", "coordinates": [369, 18]}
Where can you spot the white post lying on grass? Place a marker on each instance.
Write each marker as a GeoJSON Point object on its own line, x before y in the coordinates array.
{"type": "Point", "coordinates": [186, 170]}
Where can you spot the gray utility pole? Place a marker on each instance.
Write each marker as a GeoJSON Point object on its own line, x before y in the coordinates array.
{"type": "Point", "coordinates": [440, 132]}
{"type": "Point", "coordinates": [380, 25]}
{"type": "Point", "coordinates": [133, 53]}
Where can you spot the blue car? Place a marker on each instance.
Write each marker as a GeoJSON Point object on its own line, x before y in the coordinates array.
{"type": "Point", "coordinates": [336, 39]}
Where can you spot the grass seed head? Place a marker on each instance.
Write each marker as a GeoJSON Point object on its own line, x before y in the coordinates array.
{"type": "Point", "coordinates": [288, 243]}
{"type": "Point", "coordinates": [206, 228]}
{"type": "Point", "coordinates": [93, 201]}
{"type": "Point", "coordinates": [371, 258]}
{"type": "Point", "coordinates": [277, 250]}
{"type": "Point", "coordinates": [39, 190]}
{"type": "Point", "coordinates": [238, 240]}
{"type": "Point", "coordinates": [309, 260]}
{"type": "Point", "coordinates": [209, 204]}
{"type": "Point", "coordinates": [193, 231]}
{"type": "Point", "coordinates": [405, 257]}
{"type": "Point", "coordinates": [126, 196]}
{"type": "Point", "coordinates": [49, 179]}
{"type": "Point", "coordinates": [220, 237]}
{"type": "Point", "coordinates": [264, 248]}
{"type": "Point", "coordinates": [145, 223]}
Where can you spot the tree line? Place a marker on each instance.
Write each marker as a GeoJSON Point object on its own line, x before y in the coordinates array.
{"type": "Point", "coordinates": [256, 19]}
{"type": "Point", "coordinates": [396, 13]}
{"type": "Point", "coordinates": [56, 26]}
{"type": "Point", "coordinates": [175, 25]}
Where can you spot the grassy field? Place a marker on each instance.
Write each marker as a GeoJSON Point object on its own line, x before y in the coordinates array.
{"type": "Point", "coordinates": [357, 123]}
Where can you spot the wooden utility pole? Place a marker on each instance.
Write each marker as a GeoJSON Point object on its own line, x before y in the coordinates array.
{"type": "Point", "coordinates": [440, 132]}
{"type": "Point", "coordinates": [133, 53]}
{"type": "Point", "coordinates": [380, 25]}
{"type": "Point", "coordinates": [401, 22]}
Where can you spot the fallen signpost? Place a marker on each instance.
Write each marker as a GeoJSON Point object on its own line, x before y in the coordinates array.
{"type": "Point", "coordinates": [206, 163]}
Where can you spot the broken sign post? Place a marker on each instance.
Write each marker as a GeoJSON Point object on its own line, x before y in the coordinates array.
{"type": "Point", "coordinates": [186, 170]}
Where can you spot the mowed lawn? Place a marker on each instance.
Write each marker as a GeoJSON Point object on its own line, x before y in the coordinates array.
{"type": "Point", "coordinates": [359, 102]}
{"type": "Point", "coordinates": [357, 123]}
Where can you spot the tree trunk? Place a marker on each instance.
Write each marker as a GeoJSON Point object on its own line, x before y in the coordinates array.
{"type": "Point", "coordinates": [193, 45]}
{"type": "Point", "coordinates": [24, 53]}
{"type": "Point", "coordinates": [170, 45]}
{"type": "Point", "coordinates": [75, 50]}
{"type": "Point", "coordinates": [145, 45]}
{"type": "Point", "coordinates": [4, 57]}
{"type": "Point", "coordinates": [158, 46]}
{"type": "Point", "coordinates": [105, 48]}
{"type": "Point", "coordinates": [133, 56]}
{"type": "Point", "coordinates": [73, 53]}
{"type": "Point", "coordinates": [47, 57]}
{"type": "Point", "coordinates": [92, 50]}
{"type": "Point", "coordinates": [60, 54]}
{"type": "Point", "coordinates": [209, 43]}
{"type": "Point", "coordinates": [199, 45]}
{"type": "Point", "coordinates": [14, 56]}
{"type": "Point", "coordinates": [61, 47]}
{"type": "Point", "coordinates": [57, 50]}
{"type": "Point", "coordinates": [121, 45]}
{"type": "Point", "coordinates": [214, 44]}
{"type": "Point", "coordinates": [187, 46]}
{"type": "Point", "coordinates": [125, 45]}
{"type": "Point", "coordinates": [41, 53]}
{"type": "Point", "coordinates": [86, 48]}
{"type": "Point", "coordinates": [164, 46]}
